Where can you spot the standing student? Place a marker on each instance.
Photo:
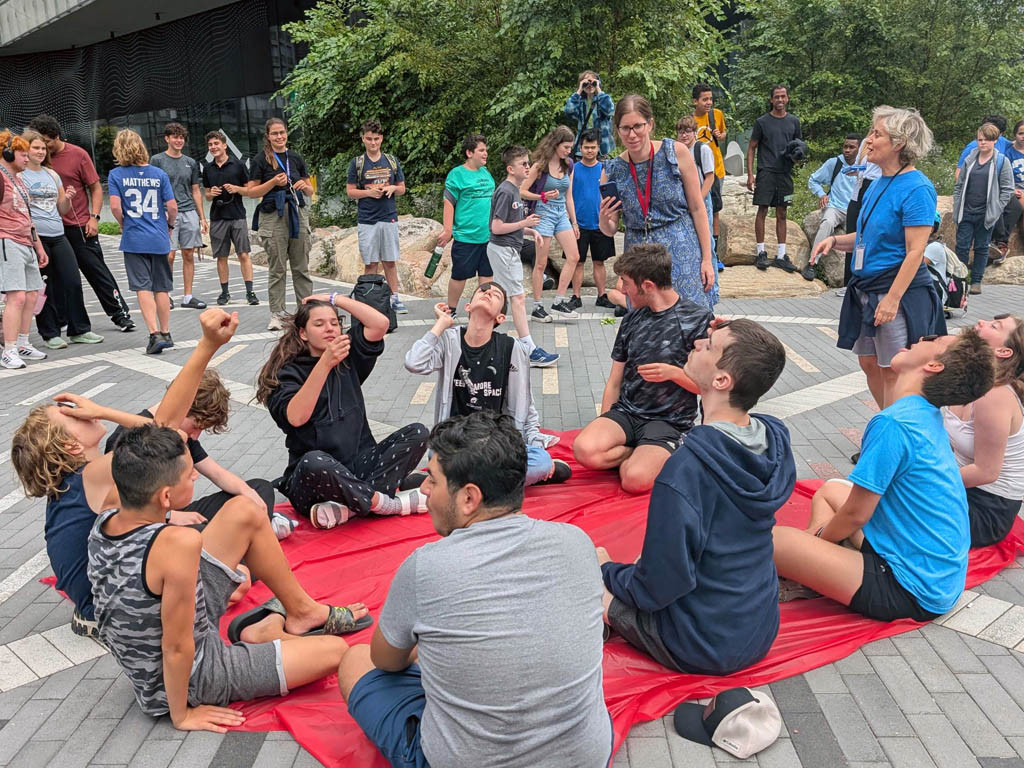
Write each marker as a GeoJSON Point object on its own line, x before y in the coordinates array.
{"type": "Point", "coordinates": [64, 299]}
{"type": "Point", "coordinates": [225, 180]}
{"type": "Point", "coordinates": [142, 201]}
{"type": "Point", "coordinates": [1011, 214]}
{"type": "Point", "coordinates": [23, 255]}
{"type": "Point", "coordinates": [592, 110]}
{"type": "Point", "coordinates": [1002, 143]}
{"type": "Point", "coordinates": [375, 179]}
{"type": "Point", "coordinates": [711, 131]}
{"type": "Point", "coordinates": [279, 176]}
{"type": "Point", "coordinates": [834, 203]}
{"type": "Point", "coordinates": [773, 186]}
{"type": "Point", "coordinates": [509, 221]}
{"type": "Point", "coordinates": [190, 226]}
{"type": "Point", "coordinates": [312, 386]}
{"type": "Point", "coordinates": [81, 223]}
{"type": "Point", "coordinates": [586, 199]}
{"type": "Point", "coordinates": [468, 190]}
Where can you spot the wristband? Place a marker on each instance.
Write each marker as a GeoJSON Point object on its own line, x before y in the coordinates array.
{"type": "Point", "coordinates": [543, 197]}
{"type": "Point", "coordinates": [333, 295]}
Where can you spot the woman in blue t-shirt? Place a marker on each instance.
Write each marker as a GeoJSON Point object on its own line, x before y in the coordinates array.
{"type": "Point", "coordinates": [1011, 214]}
{"type": "Point", "coordinates": [890, 301]}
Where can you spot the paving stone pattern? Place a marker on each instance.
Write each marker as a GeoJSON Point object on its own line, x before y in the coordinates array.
{"type": "Point", "coordinates": [949, 694]}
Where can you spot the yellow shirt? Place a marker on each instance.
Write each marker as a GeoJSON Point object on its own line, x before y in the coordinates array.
{"type": "Point", "coordinates": [704, 134]}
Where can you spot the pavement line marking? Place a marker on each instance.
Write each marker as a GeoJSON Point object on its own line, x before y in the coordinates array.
{"type": "Point", "coordinates": [13, 671]}
{"type": "Point", "coordinates": [561, 336]}
{"type": "Point", "coordinates": [549, 381]}
{"type": "Point", "coordinates": [423, 393]}
{"type": "Point", "coordinates": [830, 332]}
{"type": "Point", "coordinates": [10, 500]}
{"type": "Point", "coordinates": [160, 369]}
{"type": "Point", "coordinates": [4, 456]}
{"type": "Point", "coordinates": [66, 384]}
{"type": "Point", "coordinates": [39, 655]}
{"type": "Point", "coordinates": [809, 398]}
{"type": "Point", "coordinates": [91, 393]}
{"type": "Point", "coordinates": [23, 574]}
{"type": "Point", "coordinates": [799, 360]}
{"type": "Point", "coordinates": [228, 354]}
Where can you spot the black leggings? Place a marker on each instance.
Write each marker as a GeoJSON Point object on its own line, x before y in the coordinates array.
{"type": "Point", "coordinates": [1008, 221]}
{"type": "Point", "coordinates": [65, 304]}
{"type": "Point", "coordinates": [208, 506]}
{"type": "Point", "coordinates": [89, 256]}
{"type": "Point", "coordinates": [320, 477]}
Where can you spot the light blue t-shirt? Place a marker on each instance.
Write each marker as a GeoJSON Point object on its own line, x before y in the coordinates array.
{"type": "Point", "coordinates": [586, 194]}
{"type": "Point", "coordinates": [43, 192]}
{"type": "Point", "coordinates": [143, 189]}
{"type": "Point", "coordinates": [1002, 144]}
{"type": "Point", "coordinates": [920, 525]}
{"type": "Point", "coordinates": [906, 200]}
{"type": "Point", "coordinates": [1017, 163]}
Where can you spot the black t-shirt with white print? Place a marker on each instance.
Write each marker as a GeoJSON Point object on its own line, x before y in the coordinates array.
{"type": "Point", "coordinates": [480, 378]}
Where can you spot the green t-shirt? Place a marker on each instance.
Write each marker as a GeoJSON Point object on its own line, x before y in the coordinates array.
{"type": "Point", "coordinates": [470, 192]}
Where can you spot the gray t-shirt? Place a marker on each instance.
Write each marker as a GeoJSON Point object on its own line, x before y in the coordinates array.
{"type": "Point", "coordinates": [43, 190]}
{"type": "Point", "coordinates": [183, 172]}
{"type": "Point", "coordinates": [753, 437]}
{"type": "Point", "coordinates": [508, 206]}
{"type": "Point", "coordinates": [507, 617]}
{"type": "Point", "coordinates": [976, 193]}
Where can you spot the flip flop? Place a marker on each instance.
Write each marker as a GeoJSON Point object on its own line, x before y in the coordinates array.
{"type": "Point", "coordinates": [253, 616]}
{"type": "Point", "coordinates": [341, 621]}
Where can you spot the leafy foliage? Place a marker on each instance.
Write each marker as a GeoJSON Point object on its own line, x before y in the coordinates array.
{"type": "Point", "coordinates": [434, 70]}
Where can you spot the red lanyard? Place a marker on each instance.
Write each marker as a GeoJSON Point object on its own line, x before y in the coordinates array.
{"type": "Point", "coordinates": [643, 198]}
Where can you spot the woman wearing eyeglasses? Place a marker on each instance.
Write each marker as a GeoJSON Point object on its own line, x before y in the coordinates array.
{"type": "Point", "coordinates": [658, 195]}
{"type": "Point", "coordinates": [591, 108]}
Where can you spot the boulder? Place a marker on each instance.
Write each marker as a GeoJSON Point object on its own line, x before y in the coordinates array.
{"type": "Point", "coordinates": [556, 262]}
{"type": "Point", "coordinates": [1010, 272]}
{"type": "Point", "coordinates": [947, 229]}
{"type": "Point", "coordinates": [748, 282]}
{"type": "Point", "coordinates": [739, 246]}
{"type": "Point", "coordinates": [733, 159]}
{"type": "Point", "coordinates": [833, 262]}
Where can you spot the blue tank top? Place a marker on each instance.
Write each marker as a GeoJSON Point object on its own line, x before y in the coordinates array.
{"type": "Point", "coordinates": [68, 523]}
{"type": "Point", "coordinates": [586, 194]}
{"type": "Point", "coordinates": [558, 204]}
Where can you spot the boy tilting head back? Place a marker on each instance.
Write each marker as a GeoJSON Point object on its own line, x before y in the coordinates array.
{"type": "Point", "coordinates": [703, 597]}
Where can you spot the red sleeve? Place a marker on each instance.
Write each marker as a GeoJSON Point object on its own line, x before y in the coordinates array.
{"type": "Point", "coordinates": [86, 170]}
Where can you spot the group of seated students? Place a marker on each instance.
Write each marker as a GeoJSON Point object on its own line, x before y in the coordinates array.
{"type": "Point", "coordinates": [443, 681]}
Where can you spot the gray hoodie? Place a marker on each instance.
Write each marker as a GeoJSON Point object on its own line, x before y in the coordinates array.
{"type": "Point", "coordinates": [1000, 187]}
{"type": "Point", "coordinates": [433, 353]}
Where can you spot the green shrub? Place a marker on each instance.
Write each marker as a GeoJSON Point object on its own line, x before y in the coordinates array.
{"type": "Point", "coordinates": [109, 228]}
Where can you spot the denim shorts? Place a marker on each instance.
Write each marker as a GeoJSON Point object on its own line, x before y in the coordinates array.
{"type": "Point", "coordinates": [388, 706]}
{"type": "Point", "coordinates": [553, 219]}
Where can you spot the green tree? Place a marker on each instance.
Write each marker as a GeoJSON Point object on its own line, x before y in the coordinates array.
{"type": "Point", "coordinates": [434, 70]}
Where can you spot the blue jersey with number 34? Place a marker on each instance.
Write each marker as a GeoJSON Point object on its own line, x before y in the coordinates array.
{"type": "Point", "coordinates": [143, 189]}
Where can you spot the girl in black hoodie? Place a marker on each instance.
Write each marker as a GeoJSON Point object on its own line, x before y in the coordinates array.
{"type": "Point", "coordinates": [312, 387]}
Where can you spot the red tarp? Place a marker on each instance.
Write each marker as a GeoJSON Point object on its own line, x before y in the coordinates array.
{"type": "Point", "coordinates": [356, 562]}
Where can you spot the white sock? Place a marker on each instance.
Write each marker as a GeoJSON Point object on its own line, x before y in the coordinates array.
{"type": "Point", "coordinates": [560, 297]}
{"type": "Point", "coordinates": [10, 347]}
{"type": "Point", "coordinates": [22, 339]}
{"type": "Point", "coordinates": [538, 303]}
{"type": "Point", "coordinates": [760, 247]}
{"type": "Point", "coordinates": [782, 250]}
{"type": "Point", "coordinates": [187, 298]}
{"type": "Point", "coordinates": [527, 342]}
{"type": "Point", "coordinates": [402, 503]}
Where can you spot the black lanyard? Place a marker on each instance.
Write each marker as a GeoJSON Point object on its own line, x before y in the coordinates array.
{"type": "Point", "coordinates": [863, 221]}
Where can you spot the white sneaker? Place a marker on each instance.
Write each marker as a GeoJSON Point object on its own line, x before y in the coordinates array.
{"type": "Point", "coordinates": [29, 352]}
{"type": "Point", "coordinates": [282, 525]}
{"type": "Point", "coordinates": [9, 358]}
{"type": "Point", "coordinates": [275, 323]}
{"type": "Point", "coordinates": [328, 514]}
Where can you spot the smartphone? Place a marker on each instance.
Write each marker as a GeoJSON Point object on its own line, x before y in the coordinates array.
{"type": "Point", "coordinates": [610, 189]}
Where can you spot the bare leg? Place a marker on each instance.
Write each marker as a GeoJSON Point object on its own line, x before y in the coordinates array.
{"type": "Point", "coordinates": [826, 501]}
{"type": "Point", "coordinates": [567, 240]}
{"type": "Point", "coordinates": [12, 315]}
{"type": "Point", "coordinates": [762, 212]}
{"type": "Point", "coordinates": [27, 310]}
{"type": "Point", "coordinates": [600, 277]}
{"type": "Point", "coordinates": [780, 224]}
{"type": "Point", "coordinates": [305, 659]}
{"type": "Point", "coordinates": [163, 310]}
{"type": "Point", "coordinates": [188, 269]}
{"type": "Point", "coordinates": [888, 384]}
{"type": "Point", "coordinates": [391, 275]}
{"type": "Point", "coordinates": [606, 601]}
{"type": "Point", "coordinates": [222, 270]}
{"type": "Point", "coordinates": [869, 364]}
{"type": "Point", "coordinates": [518, 306]}
{"type": "Point", "coordinates": [601, 445]}
{"type": "Point", "coordinates": [246, 264]}
{"type": "Point", "coordinates": [540, 263]}
{"type": "Point", "coordinates": [830, 569]}
{"type": "Point", "coordinates": [371, 269]}
{"type": "Point", "coordinates": [455, 288]}
{"type": "Point", "coordinates": [638, 471]}
{"type": "Point", "coordinates": [147, 306]}
{"type": "Point", "coordinates": [577, 280]}
{"type": "Point", "coordinates": [354, 665]}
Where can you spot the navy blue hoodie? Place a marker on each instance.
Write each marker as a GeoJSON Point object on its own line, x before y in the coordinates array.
{"type": "Point", "coordinates": [706, 570]}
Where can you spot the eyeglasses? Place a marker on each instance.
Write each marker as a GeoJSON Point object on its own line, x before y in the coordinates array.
{"type": "Point", "coordinates": [624, 129]}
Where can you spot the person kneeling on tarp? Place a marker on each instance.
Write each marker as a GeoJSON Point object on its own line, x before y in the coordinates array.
{"type": "Point", "coordinates": [481, 369]}
{"type": "Point", "coordinates": [502, 617]}
{"type": "Point", "coordinates": [904, 509]}
{"type": "Point", "coordinates": [703, 596]}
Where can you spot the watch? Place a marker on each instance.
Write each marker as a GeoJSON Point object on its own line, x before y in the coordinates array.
{"type": "Point", "coordinates": [95, 216]}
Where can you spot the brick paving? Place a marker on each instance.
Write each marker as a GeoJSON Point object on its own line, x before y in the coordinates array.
{"type": "Point", "coordinates": [948, 694]}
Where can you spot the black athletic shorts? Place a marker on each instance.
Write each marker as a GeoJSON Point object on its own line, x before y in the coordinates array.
{"type": "Point", "coordinates": [991, 516]}
{"type": "Point", "coordinates": [773, 189]}
{"type": "Point", "coordinates": [646, 432]}
{"type": "Point", "coordinates": [601, 246]}
{"type": "Point", "coordinates": [716, 195]}
{"type": "Point", "coordinates": [640, 629]}
{"type": "Point", "coordinates": [881, 596]}
{"type": "Point", "coordinates": [470, 260]}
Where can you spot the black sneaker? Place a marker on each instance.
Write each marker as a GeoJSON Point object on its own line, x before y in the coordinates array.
{"type": "Point", "coordinates": [223, 299]}
{"type": "Point", "coordinates": [855, 458]}
{"type": "Point", "coordinates": [194, 303]}
{"type": "Point", "coordinates": [784, 263]}
{"type": "Point", "coordinates": [807, 273]}
{"type": "Point", "coordinates": [124, 324]}
{"type": "Point", "coordinates": [540, 315]}
{"type": "Point", "coordinates": [564, 309]}
{"type": "Point", "coordinates": [761, 262]}
{"type": "Point", "coordinates": [575, 302]}
{"type": "Point", "coordinates": [157, 344]}
{"type": "Point", "coordinates": [549, 282]}
{"type": "Point", "coordinates": [170, 300]}
{"type": "Point", "coordinates": [252, 298]}
{"type": "Point", "coordinates": [621, 311]}
{"type": "Point", "coordinates": [562, 473]}
{"type": "Point", "coordinates": [167, 337]}
{"type": "Point", "coordinates": [604, 301]}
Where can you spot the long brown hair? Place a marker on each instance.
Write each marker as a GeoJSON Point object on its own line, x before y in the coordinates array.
{"type": "Point", "coordinates": [288, 347]}
{"type": "Point", "coordinates": [546, 149]}
{"type": "Point", "coordinates": [29, 135]}
{"type": "Point", "coordinates": [268, 149]}
{"type": "Point", "coordinates": [1010, 370]}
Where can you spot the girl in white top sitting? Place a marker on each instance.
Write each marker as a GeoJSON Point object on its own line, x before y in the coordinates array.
{"type": "Point", "coordinates": [988, 437]}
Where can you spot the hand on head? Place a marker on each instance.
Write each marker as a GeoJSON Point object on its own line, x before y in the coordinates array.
{"type": "Point", "coordinates": [84, 408]}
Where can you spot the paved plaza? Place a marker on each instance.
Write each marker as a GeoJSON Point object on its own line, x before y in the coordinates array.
{"type": "Point", "coordinates": [949, 695]}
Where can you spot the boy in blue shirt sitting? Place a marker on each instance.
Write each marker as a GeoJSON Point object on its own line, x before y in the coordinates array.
{"type": "Point", "coordinates": [904, 509]}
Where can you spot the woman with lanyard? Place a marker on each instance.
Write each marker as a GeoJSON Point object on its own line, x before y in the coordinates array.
{"type": "Point", "coordinates": [48, 201]}
{"type": "Point", "coordinates": [279, 176]}
{"type": "Point", "coordinates": [890, 302]}
{"type": "Point", "coordinates": [659, 196]}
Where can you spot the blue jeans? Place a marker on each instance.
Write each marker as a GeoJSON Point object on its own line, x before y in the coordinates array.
{"type": "Point", "coordinates": [538, 464]}
{"type": "Point", "coordinates": [972, 230]}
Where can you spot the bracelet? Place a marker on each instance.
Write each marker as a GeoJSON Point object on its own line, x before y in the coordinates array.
{"type": "Point", "coordinates": [333, 295]}
{"type": "Point", "coordinates": [817, 534]}
{"type": "Point", "coordinates": [543, 197]}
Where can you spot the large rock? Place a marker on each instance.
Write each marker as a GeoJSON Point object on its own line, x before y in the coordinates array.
{"type": "Point", "coordinates": [556, 261]}
{"type": "Point", "coordinates": [748, 282]}
{"type": "Point", "coordinates": [736, 221]}
{"type": "Point", "coordinates": [733, 159]}
{"type": "Point", "coordinates": [1010, 272]}
{"type": "Point", "coordinates": [833, 262]}
{"type": "Point", "coordinates": [947, 229]}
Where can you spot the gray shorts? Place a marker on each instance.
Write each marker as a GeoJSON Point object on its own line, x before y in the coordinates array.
{"type": "Point", "coordinates": [889, 337]}
{"type": "Point", "coordinates": [238, 672]}
{"type": "Point", "coordinates": [19, 267]}
{"type": "Point", "coordinates": [187, 232]}
{"type": "Point", "coordinates": [148, 272]}
{"type": "Point", "coordinates": [640, 629]}
{"type": "Point", "coordinates": [507, 268]}
{"type": "Point", "coordinates": [378, 242]}
{"type": "Point", "coordinates": [227, 232]}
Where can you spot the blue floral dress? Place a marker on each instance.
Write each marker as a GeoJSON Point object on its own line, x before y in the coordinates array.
{"type": "Point", "coordinates": [670, 222]}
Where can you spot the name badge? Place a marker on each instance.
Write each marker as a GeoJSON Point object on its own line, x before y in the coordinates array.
{"type": "Point", "coordinates": [858, 258]}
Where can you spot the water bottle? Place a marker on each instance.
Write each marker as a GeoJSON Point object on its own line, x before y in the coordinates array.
{"type": "Point", "coordinates": [435, 259]}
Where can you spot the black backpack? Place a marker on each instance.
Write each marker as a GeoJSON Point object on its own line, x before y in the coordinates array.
{"type": "Point", "coordinates": [374, 290]}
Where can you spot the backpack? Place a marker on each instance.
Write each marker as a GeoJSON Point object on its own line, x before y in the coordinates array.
{"type": "Point", "coordinates": [835, 172]}
{"type": "Point", "coordinates": [361, 161]}
{"type": "Point", "coordinates": [538, 186]}
{"type": "Point", "coordinates": [374, 291]}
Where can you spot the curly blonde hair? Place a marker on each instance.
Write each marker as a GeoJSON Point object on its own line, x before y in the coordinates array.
{"type": "Point", "coordinates": [210, 408]}
{"type": "Point", "coordinates": [129, 149]}
{"type": "Point", "coordinates": [41, 454]}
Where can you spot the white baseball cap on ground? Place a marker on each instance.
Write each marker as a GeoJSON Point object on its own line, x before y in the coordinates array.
{"type": "Point", "coordinates": [739, 720]}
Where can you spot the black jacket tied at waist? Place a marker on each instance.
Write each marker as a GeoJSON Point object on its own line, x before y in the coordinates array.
{"type": "Point", "coordinates": [921, 306]}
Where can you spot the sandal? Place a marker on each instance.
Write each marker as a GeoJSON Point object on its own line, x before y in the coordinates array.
{"type": "Point", "coordinates": [341, 621]}
{"type": "Point", "coordinates": [253, 616]}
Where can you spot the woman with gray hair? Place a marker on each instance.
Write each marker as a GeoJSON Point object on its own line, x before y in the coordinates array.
{"type": "Point", "coordinates": [890, 302]}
